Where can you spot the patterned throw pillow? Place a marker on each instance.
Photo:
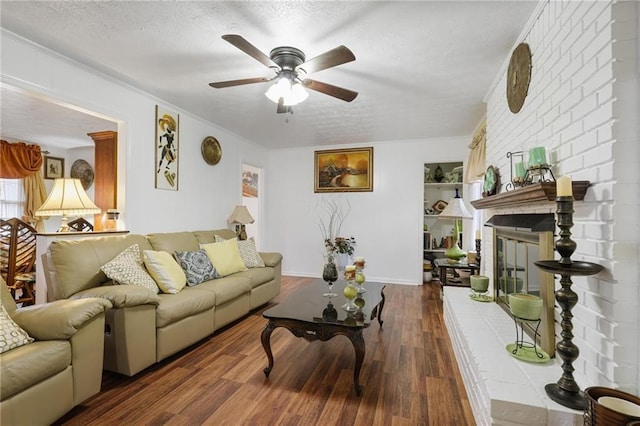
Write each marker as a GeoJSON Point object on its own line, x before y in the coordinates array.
{"type": "Point", "coordinates": [196, 266]}
{"type": "Point", "coordinates": [126, 268]}
{"type": "Point", "coordinates": [11, 335]}
{"type": "Point", "coordinates": [248, 252]}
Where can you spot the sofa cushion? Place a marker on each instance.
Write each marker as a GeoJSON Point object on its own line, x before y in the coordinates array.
{"type": "Point", "coordinates": [25, 366]}
{"type": "Point", "coordinates": [126, 268]}
{"type": "Point", "coordinates": [165, 271]}
{"type": "Point", "coordinates": [196, 266]}
{"type": "Point", "coordinates": [11, 335]}
{"type": "Point", "coordinates": [248, 252]}
{"type": "Point", "coordinates": [225, 256]}
{"type": "Point", "coordinates": [190, 301]}
{"type": "Point", "coordinates": [205, 237]}
{"type": "Point", "coordinates": [228, 288]}
{"type": "Point", "coordinates": [173, 241]}
{"type": "Point", "coordinates": [69, 276]}
{"type": "Point", "coordinates": [257, 276]}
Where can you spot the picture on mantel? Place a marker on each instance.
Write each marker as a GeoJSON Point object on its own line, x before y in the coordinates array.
{"type": "Point", "coordinates": [167, 144]}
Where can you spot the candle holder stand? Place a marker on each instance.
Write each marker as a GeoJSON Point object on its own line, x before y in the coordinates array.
{"type": "Point", "coordinates": [516, 181]}
{"type": "Point", "coordinates": [478, 248]}
{"type": "Point", "coordinates": [566, 391]}
{"type": "Point", "coordinates": [539, 173]}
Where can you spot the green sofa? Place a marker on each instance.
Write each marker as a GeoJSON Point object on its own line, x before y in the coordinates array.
{"type": "Point", "coordinates": [43, 380]}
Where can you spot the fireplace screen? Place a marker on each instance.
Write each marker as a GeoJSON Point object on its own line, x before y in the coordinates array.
{"type": "Point", "coordinates": [517, 246]}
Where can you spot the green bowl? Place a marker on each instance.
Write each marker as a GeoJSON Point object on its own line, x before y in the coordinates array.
{"type": "Point", "coordinates": [525, 306]}
{"type": "Point", "coordinates": [479, 283]}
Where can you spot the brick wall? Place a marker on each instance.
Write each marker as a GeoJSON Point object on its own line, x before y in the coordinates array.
{"type": "Point", "coordinates": [583, 107]}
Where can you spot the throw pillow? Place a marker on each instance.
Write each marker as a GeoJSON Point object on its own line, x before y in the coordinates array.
{"type": "Point", "coordinates": [11, 335]}
{"type": "Point", "coordinates": [126, 268]}
{"type": "Point", "coordinates": [248, 252]}
{"type": "Point", "coordinates": [196, 266]}
{"type": "Point", "coordinates": [165, 271]}
{"type": "Point", "coordinates": [225, 256]}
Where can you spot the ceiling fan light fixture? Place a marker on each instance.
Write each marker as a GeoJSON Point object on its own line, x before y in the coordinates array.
{"type": "Point", "coordinates": [291, 93]}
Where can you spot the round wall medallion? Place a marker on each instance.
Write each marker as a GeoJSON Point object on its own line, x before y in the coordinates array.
{"type": "Point", "coordinates": [518, 77]}
{"type": "Point", "coordinates": [81, 169]}
{"type": "Point", "coordinates": [211, 150]}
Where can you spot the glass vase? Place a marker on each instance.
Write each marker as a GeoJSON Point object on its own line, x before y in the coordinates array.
{"type": "Point", "coordinates": [330, 275]}
{"type": "Point", "coordinates": [350, 292]}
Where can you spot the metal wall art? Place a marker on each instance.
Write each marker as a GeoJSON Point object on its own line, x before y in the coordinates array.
{"type": "Point", "coordinates": [167, 144]}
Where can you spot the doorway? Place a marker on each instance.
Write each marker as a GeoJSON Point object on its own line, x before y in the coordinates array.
{"type": "Point", "coordinates": [251, 199]}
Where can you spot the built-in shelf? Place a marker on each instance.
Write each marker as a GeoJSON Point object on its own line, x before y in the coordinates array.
{"type": "Point", "coordinates": [535, 193]}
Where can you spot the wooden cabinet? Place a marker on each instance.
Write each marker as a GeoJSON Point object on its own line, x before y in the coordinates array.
{"type": "Point", "coordinates": [106, 173]}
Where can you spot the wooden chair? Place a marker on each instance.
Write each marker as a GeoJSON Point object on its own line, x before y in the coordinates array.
{"type": "Point", "coordinates": [18, 258]}
{"type": "Point", "coordinates": [81, 225]}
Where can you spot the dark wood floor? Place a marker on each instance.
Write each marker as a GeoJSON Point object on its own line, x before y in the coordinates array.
{"type": "Point", "coordinates": [409, 376]}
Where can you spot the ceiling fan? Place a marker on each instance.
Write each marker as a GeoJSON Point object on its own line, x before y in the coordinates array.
{"type": "Point", "coordinates": [291, 68]}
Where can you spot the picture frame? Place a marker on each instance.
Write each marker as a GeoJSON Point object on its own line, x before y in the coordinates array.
{"type": "Point", "coordinates": [344, 170]}
{"type": "Point", "coordinates": [167, 148]}
{"type": "Point", "coordinates": [53, 167]}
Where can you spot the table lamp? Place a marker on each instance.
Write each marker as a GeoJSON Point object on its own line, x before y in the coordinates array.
{"type": "Point", "coordinates": [240, 217]}
{"type": "Point", "coordinates": [67, 198]}
{"type": "Point", "coordinates": [455, 210]}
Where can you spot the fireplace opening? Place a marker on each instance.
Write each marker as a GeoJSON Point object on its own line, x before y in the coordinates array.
{"type": "Point", "coordinates": [518, 241]}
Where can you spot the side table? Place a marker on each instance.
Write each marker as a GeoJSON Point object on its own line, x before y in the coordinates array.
{"type": "Point", "coordinates": [444, 264]}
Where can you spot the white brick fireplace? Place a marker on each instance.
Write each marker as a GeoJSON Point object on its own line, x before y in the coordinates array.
{"type": "Point", "coordinates": [582, 106]}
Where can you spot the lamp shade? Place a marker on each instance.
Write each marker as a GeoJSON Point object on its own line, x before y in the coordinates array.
{"type": "Point", "coordinates": [456, 209]}
{"type": "Point", "coordinates": [240, 216]}
{"type": "Point", "coordinates": [67, 197]}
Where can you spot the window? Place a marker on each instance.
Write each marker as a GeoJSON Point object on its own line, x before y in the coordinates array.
{"type": "Point", "coordinates": [11, 198]}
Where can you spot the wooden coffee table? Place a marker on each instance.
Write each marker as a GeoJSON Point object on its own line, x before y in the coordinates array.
{"type": "Point", "coordinates": [305, 314]}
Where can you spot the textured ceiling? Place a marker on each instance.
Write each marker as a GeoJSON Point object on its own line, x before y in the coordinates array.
{"type": "Point", "coordinates": [421, 69]}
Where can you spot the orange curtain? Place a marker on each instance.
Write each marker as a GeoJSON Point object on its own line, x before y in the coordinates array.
{"type": "Point", "coordinates": [18, 160]}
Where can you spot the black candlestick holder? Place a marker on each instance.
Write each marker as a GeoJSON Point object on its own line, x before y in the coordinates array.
{"type": "Point", "coordinates": [478, 255]}
{"type": "Point", "coordinates": [566, 391]}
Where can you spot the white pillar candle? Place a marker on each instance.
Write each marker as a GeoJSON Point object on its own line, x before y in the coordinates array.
{"type": "Point", "coordinates": [563, 187]}
{"type": "Point", "coordinates": [478, 234]}
{"type": "Point", "coordinates": [350, 268]}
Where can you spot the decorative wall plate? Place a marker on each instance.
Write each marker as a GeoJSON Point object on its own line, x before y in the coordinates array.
{"type": "Point", "coordinates": [518, 77]}
{"type": "Point", "coordinates": [491, 179]}
{"type": "Point", "coordinates": [81, 169]}
{"type": "Point", "coordinates": [211, 150]}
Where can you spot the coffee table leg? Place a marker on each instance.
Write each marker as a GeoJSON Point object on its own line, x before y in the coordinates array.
{"type": "Point", "coordinates": [358, 344]}
{"type": "Point", "coordinates": [266, 344]}
{"type": "Point", "coordinates": [381, 307]}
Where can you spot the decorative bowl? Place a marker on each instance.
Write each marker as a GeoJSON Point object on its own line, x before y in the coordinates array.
{"type": "Point", "coordinates": [479, 283]}
{"type": "Point", "coordinates": [525, 306]}
{"type": "Point", "coordinates": [463, 273]}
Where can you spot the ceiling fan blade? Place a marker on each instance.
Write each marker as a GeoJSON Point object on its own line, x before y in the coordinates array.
{"type": "Point", "coordinates": [331, 90]}
{"type": "Point", "coordinates": [231, 83]}
{"type": "Point", "coordinates": [248, 48]}
{"type": "Point", "coordinates": [338, 56]}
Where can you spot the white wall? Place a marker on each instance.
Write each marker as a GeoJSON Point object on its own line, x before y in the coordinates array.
{"type": "Point", "coordinates": [583, 107]}
{"type": "Point", "coordinates": [387, 223]}
{"type": "Point", "coordinates": [206, 194]}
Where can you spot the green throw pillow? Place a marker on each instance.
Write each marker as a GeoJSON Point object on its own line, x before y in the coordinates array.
{"type": "Point", "coordinates": [225, 256]}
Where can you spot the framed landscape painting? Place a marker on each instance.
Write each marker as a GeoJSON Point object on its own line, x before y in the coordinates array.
{"type": "Point", "coordinates": [166, 146]}
{"type": "Point", "coordinates": [344, 170]}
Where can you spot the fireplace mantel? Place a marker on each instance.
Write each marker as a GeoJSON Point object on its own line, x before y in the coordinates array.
{"type": "Point", "coordinates": [535, 193]}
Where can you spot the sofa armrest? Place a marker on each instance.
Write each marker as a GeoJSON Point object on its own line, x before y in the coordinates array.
{"type": "Point", "coordinates": [59, 320]}
{"type": "Point", "coordinates": [271, 259]}
{"type": "Point", "coordinates": [121, 296]}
